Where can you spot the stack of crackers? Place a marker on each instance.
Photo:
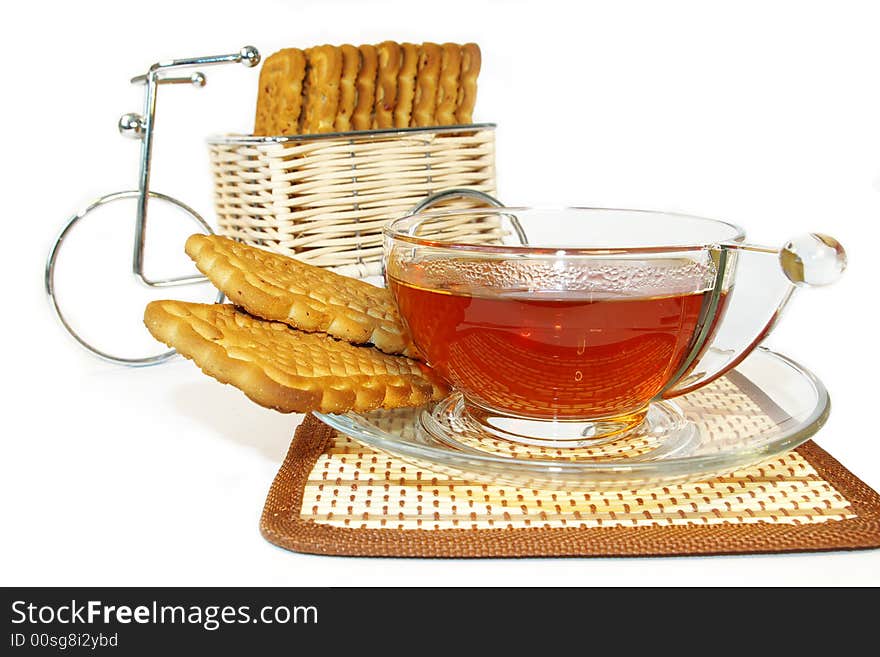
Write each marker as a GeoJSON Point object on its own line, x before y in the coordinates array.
{"type": "Point", "coordinates": [296, 338]}
{"type": "Point", "coordinates": [345, 88]}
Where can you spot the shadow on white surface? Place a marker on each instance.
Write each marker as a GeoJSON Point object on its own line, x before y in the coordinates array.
{"type": "Point", "coordinates": [230, 414]}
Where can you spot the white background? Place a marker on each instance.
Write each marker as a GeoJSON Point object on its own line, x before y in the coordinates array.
{"type": "Point", "coordinates": [760, 113]}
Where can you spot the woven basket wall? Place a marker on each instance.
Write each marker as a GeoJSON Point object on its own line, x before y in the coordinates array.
{"type": "Point", "coordinates": [324, 199]}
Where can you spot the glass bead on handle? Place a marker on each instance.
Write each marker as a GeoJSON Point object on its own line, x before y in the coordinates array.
{"type": "Point", "coordinates": [812, 259]}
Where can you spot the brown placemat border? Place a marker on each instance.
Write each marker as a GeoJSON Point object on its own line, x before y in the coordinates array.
{"type": "Point", "coordinates": [282, 524]}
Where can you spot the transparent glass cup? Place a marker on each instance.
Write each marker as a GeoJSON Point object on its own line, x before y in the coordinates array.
{"type": "Point", "coordinates": [565, 327]}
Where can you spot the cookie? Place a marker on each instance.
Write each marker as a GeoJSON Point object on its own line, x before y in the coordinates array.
{"type": "Point", "coordinates": [303, 296]}
{"type": "Point", "coordinates": [362, 118]}
{"type": "Point", "coordinates": [351, 61]}
{"type": "Point", "coordinates": [322, 100]}
{"type": "Point", "coordinates": [406, 85]}
{"type": "Point", "coordinates": [430, 56]}
{"type": "Point", "coordinates": [447, 88]}
{"type": "Point", "coordinates": [467, 86]}
{"type": "Point", "coordinates": [288, 370]}
{"type": "Point", "coordinates": [386, 84]}
{"type": "Point", "coordinates": [279, 100]}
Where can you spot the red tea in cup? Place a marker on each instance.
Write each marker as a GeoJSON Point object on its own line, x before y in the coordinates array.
{"type": "Point", "coordinates": [547, 353]}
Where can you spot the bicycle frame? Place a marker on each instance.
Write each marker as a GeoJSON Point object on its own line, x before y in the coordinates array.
{"type": "Point", "coordinates": [142, 127]}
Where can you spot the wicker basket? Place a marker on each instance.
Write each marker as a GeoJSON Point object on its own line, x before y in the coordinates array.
{"type": "Point", "coordinates": [324, 199]}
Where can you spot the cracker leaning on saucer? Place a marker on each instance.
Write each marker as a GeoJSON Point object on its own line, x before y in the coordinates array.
{"type": "Point", "coordinates": [279, 101]}
{"type": "Point", "coordinates": [285, 369]}
{"type": "Point", "coordinates": [303, 296]}
{"type": "Point", "coordinates": [362, 118]}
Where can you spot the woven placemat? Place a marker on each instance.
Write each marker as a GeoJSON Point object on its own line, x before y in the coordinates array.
{"type": "Point", "coordinates": [336, 496]}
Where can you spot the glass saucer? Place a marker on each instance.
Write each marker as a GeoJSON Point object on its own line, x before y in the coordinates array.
{"type": "Point", "coordinates": [766, 406]}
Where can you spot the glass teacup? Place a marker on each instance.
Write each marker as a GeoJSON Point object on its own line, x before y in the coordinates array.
{"type": "Point", "coordinates": [565, 326]}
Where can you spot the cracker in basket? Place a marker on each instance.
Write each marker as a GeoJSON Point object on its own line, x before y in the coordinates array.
{"type": "Point", "coordinates": [406, 85]}
{"type": "Point", "coordinates": [322, 99]}
{"type": "Point", "coordinates": [447, 89]}
{"type": "Point", "coordinates": [386, 83]}
{"type": "Point", "coordinates": [279, 100]}
{"type": "Point", "coordinates": [430, 56]}
{"type": "Point", "coordinates": [285, 369]}
{"type": "Point", "coordinates": [303, 296]}
{"type": "Point", "coordinates": [362, 118]}
{"type": "Point", "coordinates": [467, 86]}
{"type": "Point", "coordinates": [351, 61]}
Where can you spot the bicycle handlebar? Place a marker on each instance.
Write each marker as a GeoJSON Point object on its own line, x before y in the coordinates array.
{"type": "Point", "coordinates": [248, 56]}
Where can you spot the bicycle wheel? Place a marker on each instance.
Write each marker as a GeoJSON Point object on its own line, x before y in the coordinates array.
{"type": "Point", "coordinates": [50, 273]}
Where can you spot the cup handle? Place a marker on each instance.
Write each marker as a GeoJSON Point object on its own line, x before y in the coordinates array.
{"type": "Point", "coordinates": [751, 292]}
{"type": "Point", "coordinates": [456, 192]}
{"type": "Point", "coordinates": [465, 192]}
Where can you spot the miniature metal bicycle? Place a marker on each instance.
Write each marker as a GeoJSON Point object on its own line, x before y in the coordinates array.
{"type": "Point", "coordinates": [140, 126]}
